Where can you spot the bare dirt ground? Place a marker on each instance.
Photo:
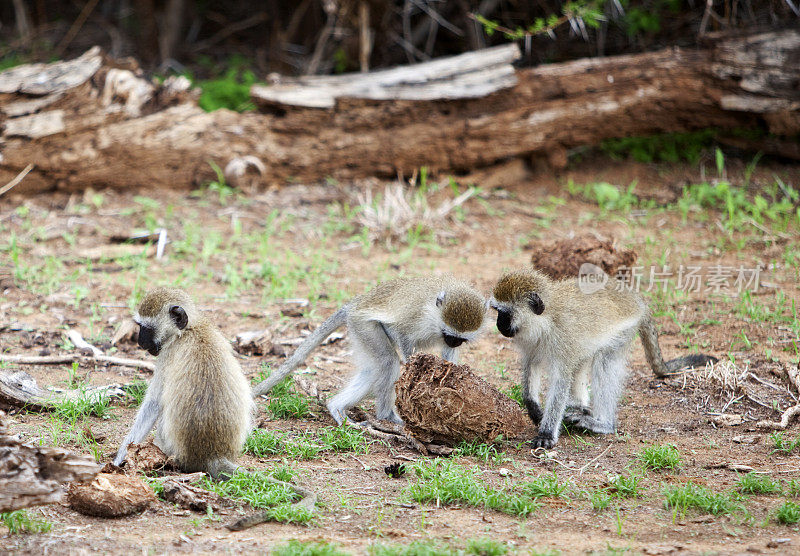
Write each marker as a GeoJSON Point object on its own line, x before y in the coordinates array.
{"type": "Point", "coordinates": [247, 259]}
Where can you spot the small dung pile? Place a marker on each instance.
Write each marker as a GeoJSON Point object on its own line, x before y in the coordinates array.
{"type": "Point", "coordinates": [444, 403]}
{"type": "Point", "coordinates": [110, 495]}
{"type": "Point", "coordinates": [563, 258]}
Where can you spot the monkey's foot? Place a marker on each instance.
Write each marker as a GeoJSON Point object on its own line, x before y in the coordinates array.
{"type": "Point", "coordinates": [590, 424]}
{"type": "Point", "coordinates": [543, 440]}
{"type": "Point", "coordinates": [575, 413]}
{"type": "Point", "coordinates": [392, 417]}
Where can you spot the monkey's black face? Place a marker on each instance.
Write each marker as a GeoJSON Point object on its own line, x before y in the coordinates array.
{"type": "Point", "coordinates": [504, 323]}
{"type": "Point", "coordinates": [452, 341]}
{"type": "Point", "coordinates": [147, 339]}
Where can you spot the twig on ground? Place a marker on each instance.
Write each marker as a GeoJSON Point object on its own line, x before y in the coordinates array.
{"type": "Point", "coordinates": [17, 179]}
{"type": "Point", "coordinates": [786, 418]}
{"type": "Point", "coordinates": [590, 462]}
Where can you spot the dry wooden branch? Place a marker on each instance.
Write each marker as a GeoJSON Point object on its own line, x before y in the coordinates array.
{"type": "Point", "coordinates": [32, 475]}
{"type": "Point", "coordinates": [70, 358]}
{"type": "Point", "coordinates": [19, 389]}
{"type": "Point", "coordinates": [788, 415]}
{"type": "Point", "coordinates": [308, 501]}
{"type": "Point", "coordinates": [17, 179]}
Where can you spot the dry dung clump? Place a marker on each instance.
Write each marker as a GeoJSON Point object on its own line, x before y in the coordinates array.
{"type": "Point", "coordinates": [146, 457]}
{"type": "Point", "coordinates": [444, 403]}
{"type": "Point", "coordinates": [110, 495]}
{"type": "Point", "coordinates": [563, 258]}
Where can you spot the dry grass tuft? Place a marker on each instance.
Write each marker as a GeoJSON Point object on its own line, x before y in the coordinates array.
{"type": "Point", "coordinates": [403, 211]}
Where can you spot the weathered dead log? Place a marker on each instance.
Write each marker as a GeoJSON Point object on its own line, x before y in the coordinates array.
{"type": "Point", "coordinates": [115, 129]}
{"type": "Point", "coordinates": [32, 475]}
{"type": "Point", "coordinates": [19, 389]}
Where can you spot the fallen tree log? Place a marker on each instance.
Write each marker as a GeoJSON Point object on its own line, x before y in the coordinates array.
{"type": "Point", "coordinates": [32, 475]}
{"type": "Point", "coordinates": [116, 129]}
{"type": "Point", "coordinates": [19, 389]}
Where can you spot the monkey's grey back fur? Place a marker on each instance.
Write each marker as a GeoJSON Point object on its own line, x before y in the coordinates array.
{"type": "Point", "coordinates": [387, 324]}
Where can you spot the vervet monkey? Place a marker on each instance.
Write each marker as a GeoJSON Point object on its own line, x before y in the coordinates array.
{"type": "Point", "coordinates": [198, 398]}
{"type": "Point", "coordinates": [578, 338]}
{"type": "Point", "coordinates": [402, 315]}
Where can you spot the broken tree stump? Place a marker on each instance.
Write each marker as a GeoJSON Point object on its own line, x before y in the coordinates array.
{"type": "Point", "coordinates": [101, 126]}
{"type": "Point", "coordinates": [32, 475]}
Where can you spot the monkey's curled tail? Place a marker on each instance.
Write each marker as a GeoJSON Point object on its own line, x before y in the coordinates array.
{"type": "Point", "coordinates": [314, 339]}
{"type": "Point", "coordinates": [652, 351]}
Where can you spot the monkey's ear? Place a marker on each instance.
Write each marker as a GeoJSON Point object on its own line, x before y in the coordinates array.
{"type": "Point", "coordinates": [535, 302]}
{"type": "Point", "coordinates": [440, 298]}
{"type": "Point", "coordinates": [178, 316]}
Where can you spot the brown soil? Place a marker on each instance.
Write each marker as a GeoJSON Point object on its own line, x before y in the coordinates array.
{"type": "Point", "coordinates": [247, 261]}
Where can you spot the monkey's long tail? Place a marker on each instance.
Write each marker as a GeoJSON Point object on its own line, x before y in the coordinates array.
{"type": "Point", "coordinates": [652, 351]}
{"type": "Point", "coordinates": [296, 359]}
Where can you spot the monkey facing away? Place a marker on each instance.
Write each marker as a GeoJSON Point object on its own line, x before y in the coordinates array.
{"type": "Point", "coordinates": [402, 315]}
{"type": "Point", "coordinates": [198, 398]}
{"type": "Point", "coordinates": [578, 338]}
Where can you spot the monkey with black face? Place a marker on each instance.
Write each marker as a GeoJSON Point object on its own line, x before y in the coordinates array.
{"type": "Point", "coordinates": [386, 325]}
{"type": "Point", "coordinates": [577, 338]}
{"type": "Point", "coordinates": [198, 399]}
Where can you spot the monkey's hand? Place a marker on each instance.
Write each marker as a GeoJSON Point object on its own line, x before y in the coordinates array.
{"type": "Point", "coordinates": [543, 440]}
{"type": "Point", "coordinates": [121, 455]}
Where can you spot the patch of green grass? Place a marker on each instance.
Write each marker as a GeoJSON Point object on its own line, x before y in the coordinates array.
{"type": "Point", "coordinates": [788, 513]}
{"type": "Point", "coordinates": [758, 483]}
{"type": "Point", "coordinates": [793, 488]}
{"type": "Point", "coordinates": [344, 438]}
{"type": "Point", "coordinates": [486, 547]}
{"type": "Point", "coordinates": [230, 89]}
{"type": "Point", "coordinates": [691, 496]}
{"type": "Point", "coordinates": [607, 196]}
{"type": "Point", "coordinates": [482, 452]}
{"type": "Point", "coordinates": [600, 499]}
{"type": "Point", "coordinates": [136, 391]}
{"type": "Point", "coordinates": [775, 206]}
{"type": "Point", "coordinates": [64, 433]}
{"type": "Point", "coordinates": [286, 402]}
{"type": "Point", "coordinates": [658, 457]}
{"type": "Point", "coordinates": [297, 548]}
{"type": "Point", "coordinates": [665, 147]}
{"type": "Point", "coordinates": [258, 491]}
{"type": "Point", "coordinates": [447, 482]}
{"type": "Point", "coordinates": [515, 393]}
{"type": "Point", "coordinates": [626, 486]}
{"type": "Point", "coordinates": [416, 548]}
{"type": "Point", "coordinates": [156, 485]}
{"type": "Point", "coordinates": [262, 443]}
{"type": "Point", "coordinates": [546, 486]}
{"type": "Point", "coordinates": [19, 522]}
{"type": "Point", "coordinates": [784, 445]}
{"type": "Point", "coordinates": [83, 405]}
